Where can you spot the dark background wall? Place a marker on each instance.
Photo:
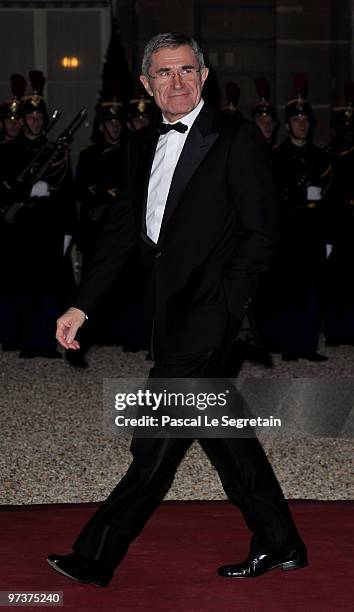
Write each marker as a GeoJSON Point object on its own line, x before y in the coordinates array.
{"type": "Point", "coordinates": [243, 39]}
{"type": "Point", "coordinates": [38, 34]}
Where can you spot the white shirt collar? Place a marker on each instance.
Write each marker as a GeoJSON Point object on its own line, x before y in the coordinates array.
{"type": "Point", "coordinates": [190, 118]}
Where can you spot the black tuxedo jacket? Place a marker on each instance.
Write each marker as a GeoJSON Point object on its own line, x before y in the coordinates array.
{"type": "Point", "coordinates": [217, 235]}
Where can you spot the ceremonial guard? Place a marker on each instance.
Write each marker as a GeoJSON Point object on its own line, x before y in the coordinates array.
{"type": "Point", "coordinates": [233, 93]}
{"type": "Point", "coordinates": [10, 128]}
{"type": "Point", "coordinates": [249, 344]}
{"type": "Point", "coordinates": [264, 116]}
{"type": "Point", "coordinates": [302, 171]}
{"type": "Point", "coordinates": [101, 174]}
{"type": "Point", "coordinates": [10, 110]}
{"type": "Point", "coordinates": [342, 124]}
{"type": "Point", "coordinates": [263, 112]}
{"type": "Point", "coordinates": [339, 313]}
{"type": "Point", "coordinates": [101, 177]}
{"type": "Point", "coordinates": [141, 112]}
{"type": "Point", "coordinates": [39, 217]}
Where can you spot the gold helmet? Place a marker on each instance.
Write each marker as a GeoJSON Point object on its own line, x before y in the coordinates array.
{"type": "Point", "coordinates": [299, 106]}
{"type": "Point", "coordinates": [10, 109]}
{"type": "Point", "coordinates": [263, 106]}
{"type": "Point", "coordinates": [35, 103]}
{"type": "Point", "coordinates": [233, 92]}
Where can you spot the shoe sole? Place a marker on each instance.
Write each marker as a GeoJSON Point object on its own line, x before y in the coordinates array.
{"type": "Point", "coordinates": [286, 567]}
{"type": "Point", "coordinates": [291, 565]}
{"type": "Point", "coordinates": [54, 566]}
{"type": "Point", "coordinates": [58, 569]}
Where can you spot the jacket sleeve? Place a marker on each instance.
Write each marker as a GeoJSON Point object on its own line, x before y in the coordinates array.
{"type": "Point", "coordinates": [251, 186]}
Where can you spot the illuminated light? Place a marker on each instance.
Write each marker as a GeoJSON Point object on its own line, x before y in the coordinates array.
{"type": "Point", "coordinates": [70, 62]}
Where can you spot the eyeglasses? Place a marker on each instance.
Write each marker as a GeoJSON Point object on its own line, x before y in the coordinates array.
{"type": "Point", "coordinates": [185, 74]}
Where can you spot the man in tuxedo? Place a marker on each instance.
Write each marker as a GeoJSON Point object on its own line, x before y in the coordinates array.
{"type": "Point", "coordinates": [201, 207]}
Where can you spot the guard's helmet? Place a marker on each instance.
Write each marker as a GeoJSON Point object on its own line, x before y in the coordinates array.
{"type": "Point", "coordinates": [10, 109]}
{"type": "Point", "coordinates": [263, 106]}
{"type": "Point", "coordinates": [35, 103]}
{"type": "Point", "coordinates": [299, 106]}
{"type": "Point", "coordinates": [233, 93]}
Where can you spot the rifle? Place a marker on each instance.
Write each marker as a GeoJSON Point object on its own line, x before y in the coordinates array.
{"type": "Point", "coordinates": [21, 177]}
{"type": "Point", "coordinates": [49, 152]}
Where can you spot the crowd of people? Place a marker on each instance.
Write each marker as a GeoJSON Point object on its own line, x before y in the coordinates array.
{"type": "Point", "coordinates": [308, 287]}
{"type": "Point", "coordinates": [51, 218]}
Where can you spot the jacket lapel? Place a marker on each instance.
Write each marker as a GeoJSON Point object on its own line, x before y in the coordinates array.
{"type": "Point", "coordinates": [201, 138]}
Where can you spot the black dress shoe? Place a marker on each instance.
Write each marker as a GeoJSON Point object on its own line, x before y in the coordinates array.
{"type": "Point", "coordinates": [256, 565]}
{"type": "Point", "coordinates": [7, 346]}
{"type": "Point", "coordinates": [76, 359]}
{"type": "Point", "coordinates": [310, 356]}
{"type": "Point", "coordinates": [290, 357]}
{"type": "Point", "coordinates": [80, 569]}
{"type": "Point", "coordinates": [28, 354]}
{"type": "Point", "coordinates": [49, 353]}
{"type": "Point", "coordinates": [337, 340]}
{"type": "Point", "coordinates": [131, 348]}
{"type": "Point", "coordinates": [333, 342]}
{"type": "Point", "coordinates": [314, 357]}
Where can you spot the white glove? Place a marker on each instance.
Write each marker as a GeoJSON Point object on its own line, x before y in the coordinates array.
{"type": "Point", "coordinates": [67, 240]}
{"type": "Point", "coordinates": [314, 193]}
{"type": "Point", "coordinates": [40, 190]}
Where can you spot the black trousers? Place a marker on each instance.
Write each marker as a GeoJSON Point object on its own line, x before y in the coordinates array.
{"type": "Point", "coordinates": [241, 463]}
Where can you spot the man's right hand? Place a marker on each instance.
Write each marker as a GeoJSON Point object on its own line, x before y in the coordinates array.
{"type": "Point", "coordinates": [67, 326]}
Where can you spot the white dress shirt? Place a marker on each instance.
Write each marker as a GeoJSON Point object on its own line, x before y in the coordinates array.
{"type": "Point", "coordinates": [168, 150]}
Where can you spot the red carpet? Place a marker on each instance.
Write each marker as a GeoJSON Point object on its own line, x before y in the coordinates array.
{"type": "Point", "coordinates": [172, 566]}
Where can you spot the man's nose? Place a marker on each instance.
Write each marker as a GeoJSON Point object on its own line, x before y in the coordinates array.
{"type": "Point", "coordinates": [177, 80]}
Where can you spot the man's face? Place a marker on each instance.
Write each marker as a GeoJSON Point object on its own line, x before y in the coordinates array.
{"type": "Point", "coordinates": [266, 124]}
{"type": "Point", "coordinates": [112, 130]}
{"type": "Point", "coordinates": [299, 127]}
{"type": "Point", "coordinates": [12, 127]}
{"type": "Point", "coordinates": [176, 96]}
{"type": "Point", "coordinates": [33, 124]}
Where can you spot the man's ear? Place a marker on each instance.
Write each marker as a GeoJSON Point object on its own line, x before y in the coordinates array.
{"type": "Point", "coordinates": [146, 84]}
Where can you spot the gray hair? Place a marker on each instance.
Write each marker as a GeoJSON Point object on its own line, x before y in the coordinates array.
{"type": "Point", "coordinates": [170, 40]}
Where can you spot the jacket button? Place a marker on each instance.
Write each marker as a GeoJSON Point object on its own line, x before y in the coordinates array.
{"type": "Point", "coordinates": [158, 254]}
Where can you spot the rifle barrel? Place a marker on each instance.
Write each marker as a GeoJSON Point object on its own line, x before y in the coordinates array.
{"type": "Point", "coordinates": [75, 124]}
{"type": "Point", "coordinates": [52, 121]}
{"type": "Point", "coordinates": [54, 147]}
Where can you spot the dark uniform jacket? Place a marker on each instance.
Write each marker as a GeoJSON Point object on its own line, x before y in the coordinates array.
{"type": "Point", "coordinates": [100, 177]}
{"type": "Point", "coordinates": [341, 230]}
{"type": "Point", "coordinates": [302, 251]}
{"type": "Point", "coordinates": [34, 242]}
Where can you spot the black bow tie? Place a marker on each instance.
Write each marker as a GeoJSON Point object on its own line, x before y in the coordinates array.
{"type": "Point", "coordinates": [164, 128]}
